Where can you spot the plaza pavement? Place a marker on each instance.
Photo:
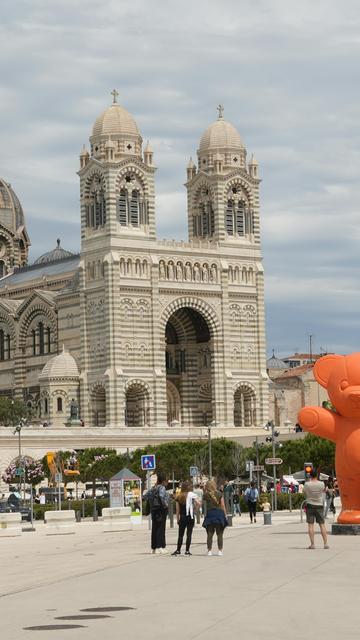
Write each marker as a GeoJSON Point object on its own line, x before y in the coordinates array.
{"type": "Point", "coordinates": [267, 585]}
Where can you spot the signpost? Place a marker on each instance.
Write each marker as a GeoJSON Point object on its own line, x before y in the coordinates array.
{"type": "Point", "coordinates": [58, 480]}
{"type": "Point", "coordinates": [273, 461]}
{"type": "Point", "coordinates": [194, 472]}
{"type": "Point", "coordinates": [249, 465]}
{"type": "Point", "coordinates": [148, 464]}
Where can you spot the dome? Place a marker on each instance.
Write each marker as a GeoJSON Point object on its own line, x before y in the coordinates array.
{"type": "Point", "coordinates": [115, 121]}
{"type": "Point", "coordinates": [55, 254]}
{"type": "Point", "coordinates": [220, 135]}
{"type": "Point", "coordinates": [275, 363]}
{"type": "Point", "coordinates": [11, 213]}
{"type": "Point", "coordinates": [61, 366]}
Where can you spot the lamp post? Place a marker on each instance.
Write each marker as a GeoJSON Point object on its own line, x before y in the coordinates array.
{"type": "Point", "coordinates": [21, 467]}
{"type": "Point", "coordinates": [274, 434]}
{"type": "Point", "coordinates": [212, 424]}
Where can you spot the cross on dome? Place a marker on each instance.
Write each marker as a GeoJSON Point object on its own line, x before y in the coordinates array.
{"type": "Point", "coordinates": [220, 109]}
{"type": "Point", "coordinates": [114, 94]}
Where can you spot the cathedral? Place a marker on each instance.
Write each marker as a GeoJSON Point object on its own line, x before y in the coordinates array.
{"type": "Point", "coordinates": [137, 340]}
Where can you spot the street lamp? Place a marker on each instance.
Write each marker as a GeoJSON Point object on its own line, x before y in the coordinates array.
{"type": "Point", "coordinates": [17, 431]}
{"type": "Point", "coordinates": [212, 424]}
{"type": "Point", "coordinates": [274, 434]}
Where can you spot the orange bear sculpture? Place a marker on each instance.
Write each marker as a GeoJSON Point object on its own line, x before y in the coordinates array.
{"type": "Point", "coordinates": [340, 375]}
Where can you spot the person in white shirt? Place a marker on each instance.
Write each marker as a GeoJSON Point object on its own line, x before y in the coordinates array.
{"type": "Point", "coordinates": [186, 503]}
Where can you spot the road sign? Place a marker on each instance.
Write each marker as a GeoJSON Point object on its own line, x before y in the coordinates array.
{"type": "Point", "coordinates": [258, 467]}
{"type": "Point", "coordinates": [194, 472]}
{"type": "Point", "coordinates": [19, 471]}
{"type": "Point", "coordinates": [273, 461]}
{"type": "Point", "coordinates": [148, 463]}
{"type": "Point", "coordinates": [249, 464]}
{"type": "Point", "coordinates": [58, 477]}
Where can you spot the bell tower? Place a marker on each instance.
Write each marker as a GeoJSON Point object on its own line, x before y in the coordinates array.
{"type": "Point", "coordinates": [223, 191]}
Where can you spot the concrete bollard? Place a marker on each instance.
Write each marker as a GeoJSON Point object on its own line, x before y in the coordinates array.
{"type": "Point", "coordinates": [59, 522]}
{"type": "Point", "coordinates": [267, 517]}
{"type": "Point", "coordinates": [116, 519]}
{"type": "Point", "coordinates": [10, 525]}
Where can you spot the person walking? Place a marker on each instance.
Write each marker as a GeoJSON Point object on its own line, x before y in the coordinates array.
{"type": "Point", "coordinates": [159, 504]}
{"type": "Point", "coordinates": [329, 497]}
{"type": "Point", "coordinates": [236, 503]}
{"type": "Point", "coordinates": [186, 503]}
{"type": "Point", "coordinates": [314, 494]}
{"type": "Point", "coordinates": [215, 519]}
{"type": "Point", "coordinates": [251, 497]}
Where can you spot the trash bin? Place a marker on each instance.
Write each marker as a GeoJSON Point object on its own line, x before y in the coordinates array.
{"type": "Point", "coordinates": [78, 516]}
{"type": "Point", "coordinates": [267, 517]}
{"type": "Point", "coordinates": [229, 519]}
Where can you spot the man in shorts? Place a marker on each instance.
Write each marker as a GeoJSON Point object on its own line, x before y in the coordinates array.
{"type": "Point", "coordinates": [314, 494]}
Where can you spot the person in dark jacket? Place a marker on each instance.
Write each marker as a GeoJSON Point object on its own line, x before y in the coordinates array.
{"type": "Point", "coordinates": [186, 503]}
{"type": "Point", "coordinates": [159, 503]}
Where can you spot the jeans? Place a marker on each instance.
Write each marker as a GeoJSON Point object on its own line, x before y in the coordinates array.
{"type": "Point", "coordinates": [237, 508]}
{"type": "Point", "coordinates": [252, 510]}
{"type": "Point", "coordinates": [158, 520]}
{"type": "Point", "coordinates": [186, 523]}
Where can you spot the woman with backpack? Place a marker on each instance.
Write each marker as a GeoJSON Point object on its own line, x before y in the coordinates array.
{"type": "Point", "coordinates": [215, 519]}
{"type": "Point", "coordinates": [158, 499]}
{"type": "Point", "coordinates": [186, 503]}
{"type": "Point", "coordinates": [251, 497]}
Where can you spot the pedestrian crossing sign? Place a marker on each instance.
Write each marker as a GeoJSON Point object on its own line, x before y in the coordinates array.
{"type": "Point", "coordinates": [148, 462]}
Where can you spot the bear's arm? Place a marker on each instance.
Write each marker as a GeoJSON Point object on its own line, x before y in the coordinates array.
{"type": "Point", "coordinates": [319, 421]}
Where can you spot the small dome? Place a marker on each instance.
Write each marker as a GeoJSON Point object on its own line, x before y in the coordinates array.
{"type": "Point", "coordinates": [11, 212]}
{"type": "Point", "coordinates": [61, 366]}
{"type": "Point", "coordinates": [275, 363]}
{"type": "Point", "coordinates": [114, 121]}
{"type": "Point", "coordinates": [55, 254]}
{"type": "Point", "coordinates": [84, 152]}
{"type": "Point", "coordinates": [220, 135]}
{"type": "Point", "coordinates": [253, 161]}
{"type": "Point", "coordinates": [191, 164]}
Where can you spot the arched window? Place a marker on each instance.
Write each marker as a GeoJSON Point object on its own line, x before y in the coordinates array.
{"type": "Point", "coordinates": [204, 219]}
{"type": "Point", "coordinates": [41, 339]}
{"type": "Point", "coordinates": [33, 334]}
{"type": "Point", "coordinates": [48, 340]}
{"type": "Point", "coordinates": [236, 223]}
{"type": "Point", "coordinates": [46, 406]}
{"type": "Point", "coordinates": [2, 345]}
{"type": "Point", "coordinates": [2, 269]}
{"type": "Point", "coordinates": [95, 204]}
{"type": "Point", "coordinates": [131, 205]}
{"type": "Point", "coordinates": [59, 404]}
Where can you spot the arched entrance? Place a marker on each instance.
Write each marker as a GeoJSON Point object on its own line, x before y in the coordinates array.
{"type": "Point", "coordinates": [244, 406]}
{"type": "Point", "coordinates": [98, 406]}
{"type": "Point", "coordinates": [189, 368]}
{"type": "Point", "coordinates": [137, 409]}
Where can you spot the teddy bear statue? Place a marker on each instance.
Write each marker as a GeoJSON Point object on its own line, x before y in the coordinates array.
{"type": "Point", "coordinates": [340, 375]}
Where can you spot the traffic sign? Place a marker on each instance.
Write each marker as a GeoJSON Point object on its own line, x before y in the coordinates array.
{"type": "Point", "coordinates": [19, 471]}
{"type": "Point", "coordinates": [148, 462]}
{"type": "Point", "coordinates": [273, 461]}
{"type": "Point", "coordinates": [258, 467]}
{"type": "Point", "coordinates": [249, 464]}
{"type": "Point", "coordinates": [58, 478]}
{"type": "Point", "coordinates": [194, 472]}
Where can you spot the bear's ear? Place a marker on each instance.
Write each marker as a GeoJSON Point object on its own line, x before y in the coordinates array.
{"type": "Point", "coordinates": [324, 366]}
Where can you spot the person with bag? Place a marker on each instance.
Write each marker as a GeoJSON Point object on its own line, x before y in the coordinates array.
{"type": "Point", "coordinates": [215, 519]}
{"type": "Point", "coordinates": [251, 497]}
{"type": "Point", "coordinates": [186, 503]}
{"type": "Point", "coordinates": [158, 500]}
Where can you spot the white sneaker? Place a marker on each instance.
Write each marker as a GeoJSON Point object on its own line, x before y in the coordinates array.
{"type": "Point", "coordinates": [220, 553]}
{"type": "Point", "coordinates": [209, 553]}
{"type": "Point", "coordinates": [157, 551]}
{"type": "Point", "coordinates": [164, 551]}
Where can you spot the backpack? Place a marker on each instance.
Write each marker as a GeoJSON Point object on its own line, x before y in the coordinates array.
{"type": "Point", "coordinates": [154, 500]}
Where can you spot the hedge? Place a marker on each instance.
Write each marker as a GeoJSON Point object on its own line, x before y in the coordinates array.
{"type": "Point", "coordinates": [77, 505]}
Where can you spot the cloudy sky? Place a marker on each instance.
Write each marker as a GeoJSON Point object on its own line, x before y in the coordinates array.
{"type": "Point", "coordinates": [287, 73]}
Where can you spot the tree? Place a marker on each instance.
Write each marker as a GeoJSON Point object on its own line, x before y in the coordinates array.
{"type": "Point", "coordinates": [11, 411]}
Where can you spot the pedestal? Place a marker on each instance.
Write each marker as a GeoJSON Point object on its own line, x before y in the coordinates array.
{"type": "Point", "coordinates": [116, 519]}
{"type": "Point", "coordinates": [60, 522]}
{"type": "Point", "coordinates": [10, 525]}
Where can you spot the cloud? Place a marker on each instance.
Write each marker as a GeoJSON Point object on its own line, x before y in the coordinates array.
{"type": "Point", "coordinates": [286, 73]}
